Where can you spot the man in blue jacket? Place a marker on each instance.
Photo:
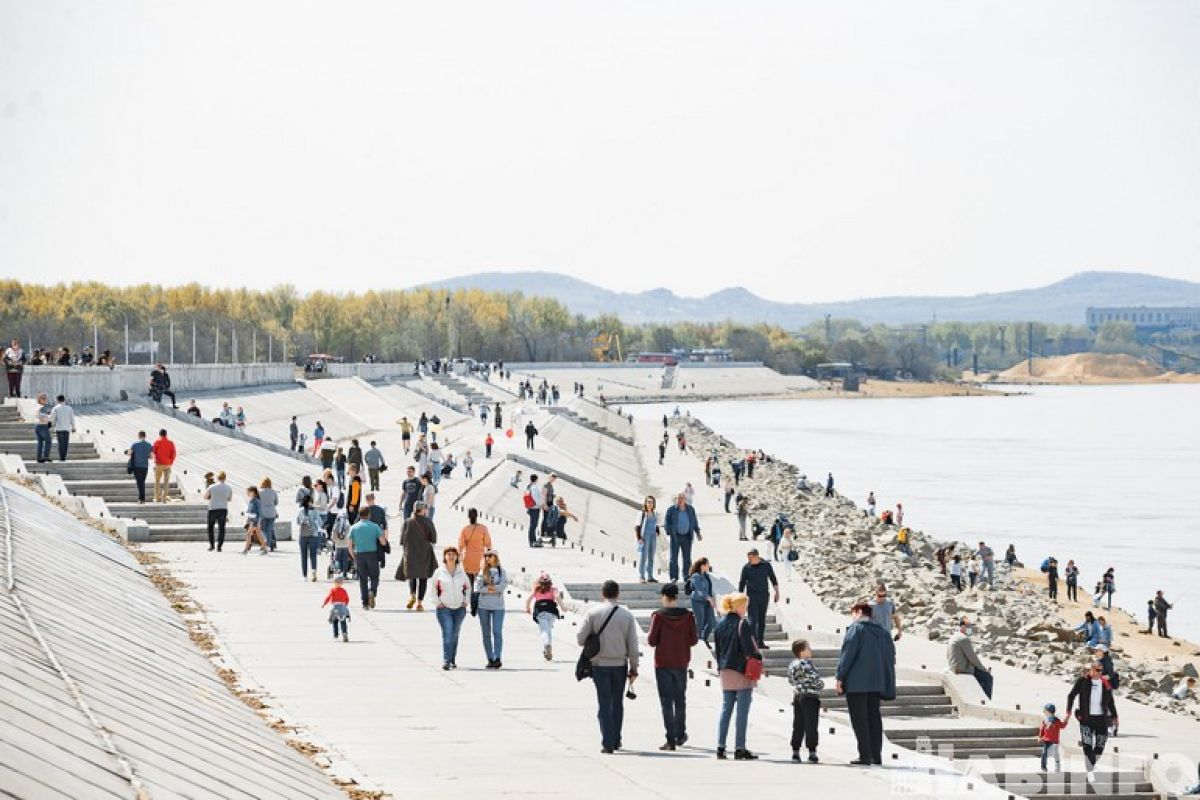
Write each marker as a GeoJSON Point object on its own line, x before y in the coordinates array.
{"type": "Point", "coordinates": [866, 675]}
{"type": "Point", "coordinates": [681, 525]}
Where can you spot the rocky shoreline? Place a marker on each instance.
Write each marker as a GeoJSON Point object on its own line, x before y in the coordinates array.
{"type": "Point", "coordinates": [844, 553]}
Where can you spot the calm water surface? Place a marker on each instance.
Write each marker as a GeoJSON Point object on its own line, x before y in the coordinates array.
{"type": "Point", "coordinates": [1107, 475]}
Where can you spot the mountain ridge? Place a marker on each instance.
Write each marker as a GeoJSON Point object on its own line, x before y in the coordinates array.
{"type": "Point", "coordinates": [1061, 302]}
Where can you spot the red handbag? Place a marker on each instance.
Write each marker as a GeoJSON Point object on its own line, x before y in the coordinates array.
{"type": "Point", "coordinates": [754, 664]}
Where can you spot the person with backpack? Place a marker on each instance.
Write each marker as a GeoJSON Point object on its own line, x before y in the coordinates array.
{"type": "Point", "coordinates": [672, 635]}
{"type": "Point", "coordinates": [740, 666]}
{"type": "Point", "coordinates": [609, 638]}
{"type": "Point", "coordinates": [533, 507]}
{"type": "Point", "coordinates": [308, 528]}
{"type": "Point", "coordinates": [548, 507]}
{"type": "Point", "coordinates": [339, 537]}
{"type": "Point", "coordinates": [354, 495]}
{"type": "Point", "coordinates": [451, 590]}
{"type": "Point", "coordinates": [699, 587]}
{"type": "Point", "coordinates": [645, 532]}
{"type": "Point", "coordinates": [544, 604]}
{"type": "Point", "coordinates": [139, 464]}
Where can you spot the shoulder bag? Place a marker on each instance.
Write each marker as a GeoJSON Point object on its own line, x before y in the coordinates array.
{"type": "Point", "coordinates": [754, 664]}
{"type": "Point", "coordinates": [591, 648]}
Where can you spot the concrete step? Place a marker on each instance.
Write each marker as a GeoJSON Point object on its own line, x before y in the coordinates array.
{"type": "Point", "coordinates": [78, 451]}
{"type": "Point", "coordinates": [901, 700]}
{"type": "Point", "coordinates": [904, 690]}
{"type": "Point", "coordinates": [161, 513]}
{"type": "Point", "coordinates": [83, 470]}
{"type": "Point", "coordinates": [998, 732]}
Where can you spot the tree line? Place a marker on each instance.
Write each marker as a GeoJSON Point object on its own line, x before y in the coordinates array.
{"type": "Point", "coordinates": [414, 324]}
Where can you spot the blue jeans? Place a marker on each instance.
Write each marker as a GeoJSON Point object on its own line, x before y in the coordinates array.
{"type": "Point", "coordinates": [742, 700]}
{"type": "Point", "coordinates": [309, 547]}
{"type": "Point", "coordinates": [64, 441]}
{"type": "Point", "coordinates": [646, 556]}
{"type": "Point", "coordinates": [342, 559]}
{"type": "Point", "coordinates": [672, 696]}
{"type": "Point", "coordinates": [706, 618]}
{"type": "Point", "coordinates": [268, 532]}
{"type": "Point", "coordinates": [42, 432]}
{"type": "Point", "coordinates": [988, 573]}
{"type": "Point", "coordinates": [436, 469]}
{"type": "Point", "coordinates": [341, 477]}
{"type": "Point", "coordinates": [610, 697]}
{"type": "Point", "coordinates": [450, 620]}
{"type": "Point", "coordinates": [534, 514]}
{"type": "Point", "coordinates": [680, 545]}
{"type": "Point", "coordinates": [491, 624]}
{"type": "Point", "coordinates": [985, 681]}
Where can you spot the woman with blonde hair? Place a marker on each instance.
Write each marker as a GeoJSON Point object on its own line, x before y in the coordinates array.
{"type": "Point", "coordinates": [740, 665]}
{"type": "Point", "coordinates": [490, 584]}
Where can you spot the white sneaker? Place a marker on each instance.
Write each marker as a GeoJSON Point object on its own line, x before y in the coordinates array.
{"type": "Point", "coordinates": [1091, 776]}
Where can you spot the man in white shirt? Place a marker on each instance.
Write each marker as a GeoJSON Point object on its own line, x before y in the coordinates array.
{"type": "Point", "coordinates": [62, 417]}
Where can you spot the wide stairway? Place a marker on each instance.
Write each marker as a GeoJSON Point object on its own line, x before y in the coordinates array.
{"type": "Point", "coordinates": [966, 741]}
{"type": "Point", "coordinates": [17, 438]}
{"type": "Point", "coordinates": [174, 521]}
{"type": "Point", "coordinates": [911, 700]}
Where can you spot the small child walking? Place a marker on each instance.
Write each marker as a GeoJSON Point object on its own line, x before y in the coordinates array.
{"type": "Point", "coordinates": [468, 463]}
{"type": "Point", "coordinates": [339, 615]}
{"type": "Point", "coordinates": [1048, 736]}
{"type": "Point", "coordinates": [806, 703]}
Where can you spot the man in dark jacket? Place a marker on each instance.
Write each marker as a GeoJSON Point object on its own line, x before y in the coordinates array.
{"type": "Point", "coordinates": [160, 385]}
{"type": "Point", "coordinates": [758, 577]}
{"type": "Point", "coordinates": [672, 635]}
{"type": "Point", "coordinates": [355, 455]}
{"type": "Point", "coordinates": [531, 433]}
{"type": "Point", "coordinates": [410, 491]}
{"type": "Point", "coordinates": [866, 675]}
{"type": "Point", "coordinates": [681, 525]}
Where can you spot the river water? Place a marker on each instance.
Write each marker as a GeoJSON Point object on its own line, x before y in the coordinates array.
{"type": "Point", "coordinates": [1107, 475]}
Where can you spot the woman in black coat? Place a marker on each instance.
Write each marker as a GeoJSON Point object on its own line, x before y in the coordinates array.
{"type": "Point", "coordinates": [1095, 713]}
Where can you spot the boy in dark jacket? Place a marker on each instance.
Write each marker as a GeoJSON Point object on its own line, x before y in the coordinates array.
{"type": "Point", "coordinates": [672, 635]}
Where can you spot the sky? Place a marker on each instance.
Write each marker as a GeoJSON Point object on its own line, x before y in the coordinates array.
{"type": "Point", "coordinates": [805, 150]}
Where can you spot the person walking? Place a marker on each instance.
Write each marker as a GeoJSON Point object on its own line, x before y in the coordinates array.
{"type": "Point", "coordinates": [743, 515]}
{"type": "Point", "coordinates": [451, 590]}
{"type": "Point", "coordinates": [139, 463]}
{"type": "Point", "coordinates": [490, 585]}
{"type": "Point", "coordinates": [339, 466]}
{"type": "Point", "coordinates": [339, 615]}
{"type": "Point", "coordinates": [533, 507]}
{"type": "Point", "coordinates": [704, 600]}
{"type": "Point", "coordinates": [318, 437]}
{"type": "Point", "coordinates": [672, 635]}
{"type": "Point", "coordinates": [1052, 577]}
{"type": "Point", "coordinates": [962, 660]}
{"type": "Point", "coordinates": [366, 542]}
{"type": "Point", "coordinates": [646, 536]}
{"type": "Point", "coordinates": [757, 580]}
{"type": "Point", "coordinates": [418, 561]}
{"type": "Point", "coordinates": [410, 491]}
{"type": "Point", "coordinates": [429, 492]}
{"type": "Point", "coordinates": [1096, 712]}
{"type": "Point", "coordinates": [376, 466]}
{"type": "Point", "coordinates": [871, 504]}
{"type": "Point", "coordinates": [829, 485]}
{"type": "Point", "coordinates": [736, 651]}
{"type": "Point", "coordinates": [269, 503]}
{"type": "Point", "coordinates": [531, 433]}
{"type": "Point", "coordinates": [728, 490]}
{"type": "Point", "coordinates": [164, 458]}
{"type": "Point", "coordinates": [218, 496]}
{"type": "Point", "coordinates": [354, 494]}
{"type": "Point", "coordinates": [41, 427]}
{"type": "Point", "coordinates": [293, 435]}
{"type": "Point", "coordinates": [487, 446]}
{"type": "Point", "coordinates": [354, 454]}
{"type": "Point", "coordinates": [406, 429]}
{"type": "Point", "coordinates": [14, 367]}
{"type": "Point", "coordinates": [1108, 585]}
{"type": "Point", "coordinates": [806, 700]}
{"type": "Point", "coordinates": [62, 419]}
{"type": "Point", "coordinates": [681, 526]}
{"type": "Point", "coordinates": [544, 604]}
{"type": "Point", "coordinates": [884, 614]}
{"type": "Point", "coordinates": [253, 531]}
{"type": "Point", "coordinates": [309, 527]}
{"type": "Point", "coordinates": [1161, 607]}
{"type": "Point", "coordinates": [615, 661]}
{"type": "Point", "coordinates": [866, 675]}
{"type": "Point", "coordinates": [473, 541]}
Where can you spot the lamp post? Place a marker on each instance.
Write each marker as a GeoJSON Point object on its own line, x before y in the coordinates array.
{"type": "Point", "coordinates": [193, 340]}
{"type": "Point", "coordinates": [126, 316]}
{"type": "Point", "coordinates": [172, 358]}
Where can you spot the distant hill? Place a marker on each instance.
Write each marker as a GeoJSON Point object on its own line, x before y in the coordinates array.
{"type": "Point", "coordinates": [1061, 302]}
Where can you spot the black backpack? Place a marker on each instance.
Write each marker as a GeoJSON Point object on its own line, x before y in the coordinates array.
{"type": "Point", "coordinates": [591, 648]}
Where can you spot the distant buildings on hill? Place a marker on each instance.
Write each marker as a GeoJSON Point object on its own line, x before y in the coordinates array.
{"type": "Point", "coordinates": [1147, 319]}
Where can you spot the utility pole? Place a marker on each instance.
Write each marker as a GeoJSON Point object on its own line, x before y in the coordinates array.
{"type": "Point", "coordinates": [153, 353]}
{"type": "Point", "coordinates": [1029, 344]}
{"type": "Point", "coordinates": [254, 345]}
{"type": "Point", "coordinates": [217, 346]}
{"type": "Point", "coordinates": [233, 352]}
{"type": "Point", "coordinates": [193, 340]}
{"type": "Point", "coordinates": [828, 329]}
{"type": "Point", "coordinates": [172, 343]}
{"type": "Point", "coordinates": [126, 337]}
{"type": "Point", "coordinates": [95, 340]}
{"type": "Point", "coordinates": [270, 348]}
{"type": "Point", "coordinates": [1003, 328]}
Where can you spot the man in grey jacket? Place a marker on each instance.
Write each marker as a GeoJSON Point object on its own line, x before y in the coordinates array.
{"type": "Point", "coordinates": [375, 464]}
{"type": "Point", "coordinates": [960, 654]}
{"type": "Point", "coordinates": [616, 662]}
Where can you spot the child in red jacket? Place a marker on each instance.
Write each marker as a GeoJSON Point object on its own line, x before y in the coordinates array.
{"type": "Point", "coordinates": [339, 615]}
{"type": "Point", "coordinates": [1048, 736]}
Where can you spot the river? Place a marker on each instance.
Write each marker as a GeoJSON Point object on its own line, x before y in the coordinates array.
{"type": "Point", "coordinates": [1107, 475]}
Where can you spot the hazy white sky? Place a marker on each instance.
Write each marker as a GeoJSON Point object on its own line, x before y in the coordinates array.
{"type": "Point", "coordinates": [805, 150]}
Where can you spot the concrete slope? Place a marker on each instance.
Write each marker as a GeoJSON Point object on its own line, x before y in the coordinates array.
{"type": "Point", "coordinates": [106, 691]}
{"type": "Point", "coordinates": [269, 410]}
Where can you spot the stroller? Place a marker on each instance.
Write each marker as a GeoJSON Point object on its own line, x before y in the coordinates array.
{"type": "Point", "coordinates": [339, 530]}
{"type": "Point", "coordinates": [551, 528]}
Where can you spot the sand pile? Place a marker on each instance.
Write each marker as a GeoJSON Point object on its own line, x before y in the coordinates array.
{"type": "Point", "coordinates": [1083, 368]}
